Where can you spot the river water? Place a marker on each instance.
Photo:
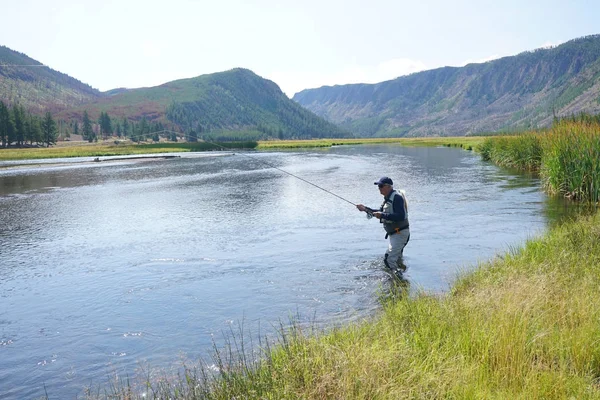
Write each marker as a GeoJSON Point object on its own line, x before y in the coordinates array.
{"type": "Point", "coordinates": [107, 266]}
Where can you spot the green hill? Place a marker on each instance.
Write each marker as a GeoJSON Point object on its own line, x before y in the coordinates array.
{"type": "Point", "coordinates": [39, 88]}
{"type": "Point", "coordinates": [231, 103]}
{"type": "Point", "coordinates": [522, 91]}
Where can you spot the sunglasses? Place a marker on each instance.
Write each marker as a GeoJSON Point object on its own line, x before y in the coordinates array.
{"type": "Point", "coordinates": [381, 185]}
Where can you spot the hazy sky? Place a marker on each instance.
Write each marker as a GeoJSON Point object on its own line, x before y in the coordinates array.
{"type": "Point", "coordinates": [297, 44]}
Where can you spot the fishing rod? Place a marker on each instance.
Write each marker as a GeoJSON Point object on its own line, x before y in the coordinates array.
{"type": "Point", "coordinates": [367, 210]}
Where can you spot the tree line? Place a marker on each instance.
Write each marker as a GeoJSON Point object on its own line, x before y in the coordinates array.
{"type": "Point", "coordinates": [21, 128]}
{"type": "Point", "coordinates": [107, 127]}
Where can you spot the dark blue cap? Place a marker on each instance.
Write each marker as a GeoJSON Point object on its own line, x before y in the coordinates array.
{"type": "Point", "coordinates": [384, 180]}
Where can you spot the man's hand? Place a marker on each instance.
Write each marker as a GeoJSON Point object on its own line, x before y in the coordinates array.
{"type": "Point", "coordinates": [377, 215]}
{"type": "Point", "coordinates": [361, 207]}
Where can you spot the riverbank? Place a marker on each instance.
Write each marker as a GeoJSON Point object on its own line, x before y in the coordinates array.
{"type": "Point", "coordinates": [466, 142]}
{"type": "Point", "coordinates": [84, 149]}
{"type": "Point", "coordinates": [106, 149]}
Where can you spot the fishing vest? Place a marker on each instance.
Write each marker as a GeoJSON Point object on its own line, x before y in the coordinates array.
{"type": "Point", "coordinates": [392, 227]}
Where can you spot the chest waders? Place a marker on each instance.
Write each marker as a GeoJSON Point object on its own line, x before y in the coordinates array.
{"type": "Point", "coordinates": [398, 233]}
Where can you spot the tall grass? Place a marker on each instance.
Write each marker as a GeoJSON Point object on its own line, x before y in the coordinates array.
{"type": "Point", "coordinates": [567, 157]}
{"type": "Point", "coordinates": [571, 162]}
{"type": "Point", "coordinates": [524, 326]}
{"type": "Point", "coordinates": [523, 151]}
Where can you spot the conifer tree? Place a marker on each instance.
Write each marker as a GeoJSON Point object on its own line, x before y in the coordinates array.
{"type": "Point", "coordinates": [6, 125]}
{"type": "Point", "coordinates": [88, 132]}
{"type": "Point", "coordinates": [125, 127]}
{"type": "Point", "coordinates": [19, 120]}
{"type": "Point", "coordinates": [49, 129]}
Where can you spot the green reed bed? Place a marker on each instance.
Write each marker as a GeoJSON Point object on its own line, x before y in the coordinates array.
{"type": "Point", "coordinates": [522, 151]}
{"type": "Point", "coordinates": [571, 163]}
{"type": "Point", "coordinates": [523, 326]}
{"type": "Point", "coordinates": [567, 157]}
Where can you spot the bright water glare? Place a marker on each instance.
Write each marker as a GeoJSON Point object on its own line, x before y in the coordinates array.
{"type": "Point", "coordinates": [108, 266]}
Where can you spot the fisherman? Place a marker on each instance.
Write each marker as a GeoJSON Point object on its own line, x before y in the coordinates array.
{"type": "Point", "coordinates": [393, 214]}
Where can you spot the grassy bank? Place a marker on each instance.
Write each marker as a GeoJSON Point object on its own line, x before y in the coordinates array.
{"type": "Point", "coordinates": [524, 326]}
{"type": "Point", "coordinates": [66, 150]}
{"type": "Point", "coordinates": [467, 143]}
{"type": "Point", "coordinates": [567, 157]}
{"type": "Point", "coordinates": [114, 149]}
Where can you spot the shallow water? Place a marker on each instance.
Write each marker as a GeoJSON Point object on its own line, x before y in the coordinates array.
{"type": "Point", "coordinates": [104, 266]}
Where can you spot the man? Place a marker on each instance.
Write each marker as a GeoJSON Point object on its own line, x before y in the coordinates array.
{"type": "Point", "coordinates": [393, 214]}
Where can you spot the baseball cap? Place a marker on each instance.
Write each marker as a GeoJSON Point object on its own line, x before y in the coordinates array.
{"type": "Point", "coordinates": [384, 180]}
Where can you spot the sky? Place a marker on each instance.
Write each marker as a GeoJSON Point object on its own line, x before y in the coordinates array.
{"type": "Point", "coordinates": [298, 44]}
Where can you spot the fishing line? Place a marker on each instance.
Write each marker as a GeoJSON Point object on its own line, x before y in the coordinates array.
{"type": "Point", "coordinates": [369, 213]}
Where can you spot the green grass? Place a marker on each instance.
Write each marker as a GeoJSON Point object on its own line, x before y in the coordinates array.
{"type": "Point", "coordinates": [524, 326]}
{"type": "Point", "coordinates": [468, 143]}
{"type": "Point", "coordinates": [66, 150]}
{"type": "Point", "coordinates": [571, 162]}
{"type": "Point", "coordinates": [127, 148]}
{"type": "Point", "coordinates": [523, 151]}
{"type": "Point", "coordinates": [567, 157]}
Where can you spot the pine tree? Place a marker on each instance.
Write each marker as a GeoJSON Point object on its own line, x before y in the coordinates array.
{"type": "Point", "coordinates": [88, 132]}
{"type": "Point", "coordinates": [6, 125]}
{"type": "Point", "coordinates": [49, 129]}
{"type": "Point", "coordinates": [105, 125]}
{"type": "Point", "coordinates": [36, 129]}
{"type": "Point", "coordinates": [19, 120]}
{"type": "Point", "coordinates": [125, 127]}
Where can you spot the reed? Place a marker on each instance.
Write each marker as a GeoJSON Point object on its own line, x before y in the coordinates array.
{"type": "Point", "coordinates": [571, 163]}
{"type": "Point", "coordinates": [523, 151]}
{"type": "Point", "coordinates": [567, 157]}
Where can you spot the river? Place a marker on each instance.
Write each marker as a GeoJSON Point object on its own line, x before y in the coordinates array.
{"type": "Point", "coordinates": [107, 266]}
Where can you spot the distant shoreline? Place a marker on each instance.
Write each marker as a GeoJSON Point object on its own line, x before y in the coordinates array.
{"type": "Point", "coordinates": [99, 150]}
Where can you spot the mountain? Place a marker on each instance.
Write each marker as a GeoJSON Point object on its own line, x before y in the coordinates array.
{"type": "Point", "coordinates": [237, 100]}
{"type": "Point", "coordinates": [37, 87]}
{"type": "Point", "coordinates": [522, 91]}
{"type": "Point", "coordinates": [236, 103]}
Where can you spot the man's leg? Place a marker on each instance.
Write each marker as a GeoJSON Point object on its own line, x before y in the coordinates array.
{"type": "Point", "coordinates": [393, 256]}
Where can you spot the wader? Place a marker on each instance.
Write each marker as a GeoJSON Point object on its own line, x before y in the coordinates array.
{"type": "Point", "coordinates": [398, 233]}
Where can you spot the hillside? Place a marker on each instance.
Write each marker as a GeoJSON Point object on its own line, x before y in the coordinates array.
{"type": "Point", "coordinates": [237, 100]}
{"type": "Point", "coordinates": [522, 91]}
{"type": "Point", "coordinates": [37, 87]}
